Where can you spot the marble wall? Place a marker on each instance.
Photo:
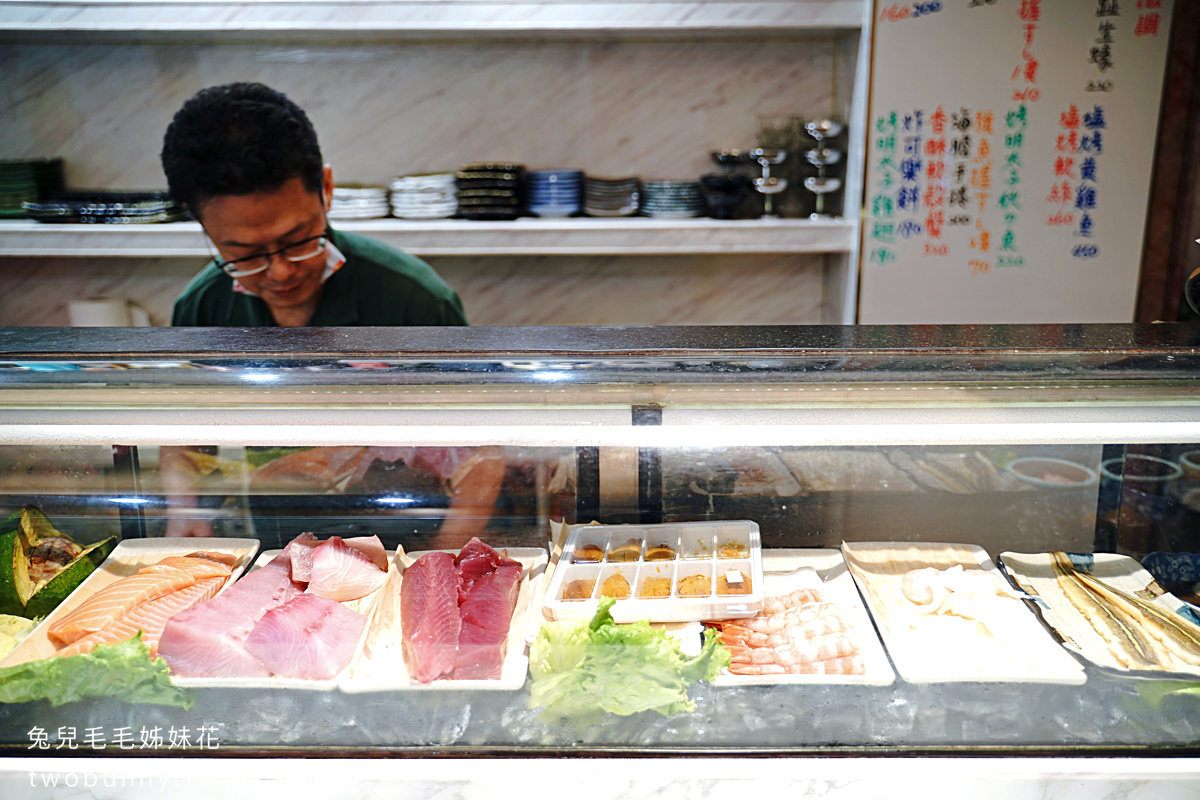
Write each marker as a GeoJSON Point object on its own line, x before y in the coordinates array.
{"type": "Point", "coordinates": [615, 107]}
{"type": "Point", "coordinates": [641, 290]}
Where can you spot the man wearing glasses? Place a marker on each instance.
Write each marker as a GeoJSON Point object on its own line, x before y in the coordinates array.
{"type": "Point", "coordinates": [243, 159]}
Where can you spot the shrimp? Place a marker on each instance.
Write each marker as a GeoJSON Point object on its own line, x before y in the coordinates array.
{"type": "Point", "coordinates": [839, 665]}
{"type": "Point", "coordinates": [735, 633]}
{"type": "Point", "coordinates": [798, 652]}
{"type": "Point", "coordinates": [781, 603]}
{"type": "Point", "coordinates": [773, 623]}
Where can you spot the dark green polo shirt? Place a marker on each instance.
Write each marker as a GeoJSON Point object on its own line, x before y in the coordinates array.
{"type": "Point", "coordinates": [378, 285]}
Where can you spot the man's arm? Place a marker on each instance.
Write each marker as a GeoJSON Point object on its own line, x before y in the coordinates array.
{"type": "Point", "coordinates": [181, 482]}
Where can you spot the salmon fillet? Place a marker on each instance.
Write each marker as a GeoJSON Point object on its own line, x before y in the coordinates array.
{"type": "Point", "coordinates": [113, 601]}
{"type": "Point", "coordinates": [150, 618]}
{"type": "Point", "coordinates": [197, 567]}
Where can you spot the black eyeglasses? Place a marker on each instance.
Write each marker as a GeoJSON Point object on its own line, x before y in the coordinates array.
{"type": "Point", "coordinates": [296, 251]}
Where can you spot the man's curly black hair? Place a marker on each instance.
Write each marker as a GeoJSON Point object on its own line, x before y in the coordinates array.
{"type": "Point", "coordinates": [238, 139]}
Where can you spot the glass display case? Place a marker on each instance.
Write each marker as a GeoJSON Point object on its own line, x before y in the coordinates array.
{"type": "Point", "coordinates": [862, 459]}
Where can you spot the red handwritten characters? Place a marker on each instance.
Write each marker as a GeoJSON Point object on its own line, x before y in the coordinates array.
{"type": "Point", "coordinates": [1030, 13]}
{"type": "Point", "coordinates": [1146, 25]}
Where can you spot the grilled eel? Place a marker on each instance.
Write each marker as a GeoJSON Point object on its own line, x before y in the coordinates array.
{"type": "Point", "coordinates": [1139, 634]}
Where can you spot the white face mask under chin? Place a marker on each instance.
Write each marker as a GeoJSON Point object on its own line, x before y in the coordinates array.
{"type": "Point", "coordinates": [334, 260]}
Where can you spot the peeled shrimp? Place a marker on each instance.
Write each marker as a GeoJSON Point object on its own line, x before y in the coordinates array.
{"type": "Point", "coordinates": [795, 652]}
{"type": "Point", "coordinates": [839, 665]}
{"type": "Point", "coordinates": [797, 615]}
{"type": "Point", "coordinates": [781, 603]}
{"type": "Point", "coordinates": [735, 633]}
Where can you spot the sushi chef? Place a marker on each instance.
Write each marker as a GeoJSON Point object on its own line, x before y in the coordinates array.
{"type": "Point", "coordinates": [244, 161]}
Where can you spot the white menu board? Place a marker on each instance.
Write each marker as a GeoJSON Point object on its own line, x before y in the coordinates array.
{"type": "Point", "coordinates": [1009, 159]}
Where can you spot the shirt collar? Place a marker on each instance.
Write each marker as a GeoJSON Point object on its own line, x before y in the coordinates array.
{"type": "Point", "coordinates": [339, 297]}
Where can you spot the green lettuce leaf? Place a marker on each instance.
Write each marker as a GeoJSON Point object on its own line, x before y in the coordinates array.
{"type": "Point", "coordinates": [1155, 692]}
{"type": "Point", "coordinates": [123, 670]}
{"type": "Point", "coordinates": [580, 670]}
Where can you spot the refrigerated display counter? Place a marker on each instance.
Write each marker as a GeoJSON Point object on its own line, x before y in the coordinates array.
{"type": "Point", "coordinates": [872, 465]}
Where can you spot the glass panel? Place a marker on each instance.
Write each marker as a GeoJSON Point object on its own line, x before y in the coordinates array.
{"type": "Point", "coordinates": [419, 497]}
{"type": "Point", "coordinates": [1089, 452]}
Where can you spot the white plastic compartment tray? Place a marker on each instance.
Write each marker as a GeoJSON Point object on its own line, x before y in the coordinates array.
{"type": "Point", "coordinates": [944, 648]}
{"type": "Point", "coordinates": [127, 558]}
{"type": "Point", "coordinates": [1034, 574]}
{"type": "Point", "coordinates": [379, 665]}
{"type": "Point", "coordinates": [689, 540]}
{"type": "Point", "coordinates": [786, 570]}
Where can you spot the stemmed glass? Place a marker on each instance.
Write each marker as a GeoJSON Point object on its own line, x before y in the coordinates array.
{"type": "Point", "coordinates": [769, 184]}
{"type": "Point", "coordinates": [822, 157]}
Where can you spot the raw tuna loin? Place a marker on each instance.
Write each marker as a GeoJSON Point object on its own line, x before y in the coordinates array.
{"type": "Point", "coordinates": [429, 617]}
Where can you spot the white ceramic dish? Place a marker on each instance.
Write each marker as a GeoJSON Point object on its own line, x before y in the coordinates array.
{"type": "Point", "coordinates": [1006, 643]}
{"type": "Point", "coordinates": [1053, 473]}
{"type": "Point", "coordinates": [126, 559]}
{"type": "Point", "coordinates": [1034, 574]}
{"type": "Point", "coordinates": [824, 570]}
{"type": "Point", "coordinates": [380, 665]}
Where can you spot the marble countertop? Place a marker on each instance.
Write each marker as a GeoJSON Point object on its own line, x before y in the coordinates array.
{"type": "Point", "coordinates": [611, 779]}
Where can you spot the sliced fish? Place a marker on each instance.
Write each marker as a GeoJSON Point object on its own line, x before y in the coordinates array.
{"type": "Point", "coordinates": [340, 572]}
{"type": "Point", "coordinates": [429, 618]}
{"type": "Point", "coordinates": [309, 637]}
{"type": "Point", "coordinates": [150, 618]}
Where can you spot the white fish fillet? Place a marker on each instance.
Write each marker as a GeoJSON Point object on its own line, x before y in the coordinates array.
{"type": "Point", "coordinates": [308, 637]}
{"type": "Point", "coordinates": [339, 572]}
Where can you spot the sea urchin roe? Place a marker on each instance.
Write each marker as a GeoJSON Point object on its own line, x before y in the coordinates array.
{"type": "Point", "coordinates": [732, 581]}
{"type": "Point", "coordinates": [626, 552]}
{"type": "Point", "coordinates": [732, 549]}
{"type": "Point", "coordinates": [656, 587]}
{"type": "Point", "coordinates": [588, 553]}
{"type": "Point", "coordinates": [580, 589]}
{"type": "Point", "coordinates": [694, 586]}
{"type": "Point", "coordinates": [660, 552]}
{"type": "Point", "coordinates": [615, 585]}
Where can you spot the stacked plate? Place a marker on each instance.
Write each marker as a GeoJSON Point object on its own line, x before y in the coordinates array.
{"type": "Point", "coordinates": [490, 191]}
{"type": "Point", "coordinates": [425, 196]}
{"type": "Point", "coordinates": [673, 199]}
{"type": "Point", "coordinates": [611, 197]}
{"type": "Point", "coordinates": [723, 194]}
{"type": "Point", "coordinates": [355, 201]}
{"type": "Point", "coordinates": [554, 192]}
{"type": "Point", "coordinates": [106, 207]}
{"type": "Point", "coordinates": [27, 181]}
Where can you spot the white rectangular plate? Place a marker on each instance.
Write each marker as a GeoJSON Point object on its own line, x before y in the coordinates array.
{"type": "Point", "coordinates": [943, 648]}
{"type": "Point", "coordinates": [825, 571]}
{"type": "Point", "coordinates": [1034, 574]}
{"type": "Point", "coordinates": [380, 665]}
{"type": "Point", "coordinates": [127, 558]}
